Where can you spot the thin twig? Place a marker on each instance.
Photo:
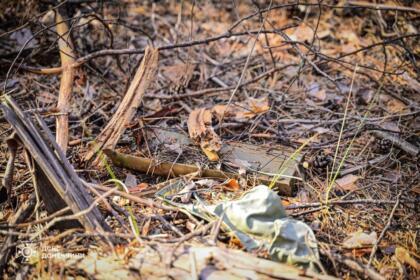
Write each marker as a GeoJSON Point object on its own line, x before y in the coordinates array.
{"type": "Point", "coordinates": [388, 224]}
{"type": "Point", "coordinates": [355, 201]}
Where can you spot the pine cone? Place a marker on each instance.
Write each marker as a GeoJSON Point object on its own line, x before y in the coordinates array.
{"type": "Point", "coordinates": [321, 161]}
{"type": "Point", "coordinates": [384, 145]}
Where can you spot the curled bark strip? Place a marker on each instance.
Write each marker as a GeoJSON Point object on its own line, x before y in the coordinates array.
{"type": "Point", "coordinates": [109, 136]}
{"type": "Point", "coordinates": [66, 84]}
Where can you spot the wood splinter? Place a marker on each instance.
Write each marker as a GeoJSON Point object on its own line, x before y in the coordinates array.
{"type": "Point", "coordinates": [110, 135]}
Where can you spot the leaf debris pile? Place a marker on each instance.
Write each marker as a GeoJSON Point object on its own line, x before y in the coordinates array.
{"type": "Point", "coordinates": [337, 77]}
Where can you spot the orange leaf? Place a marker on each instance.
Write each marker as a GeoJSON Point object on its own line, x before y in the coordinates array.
{"type": "Point", "coordinates": [140, 187]}
{"type": "Point", "coordinates": [232, 185]}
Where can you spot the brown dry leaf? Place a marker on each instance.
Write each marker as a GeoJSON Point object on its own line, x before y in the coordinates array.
{"type": "Point", "coordinates": [201, 132]}
{"type": "Point", "coordinates": [403, 256]}
{"type": "Point", "coordinates": [244, 110]}
{"type": "Point", "coordinates": [215, 27]}
{"type": "Point", "coordinates": [179, 74]}
{"type": "Point", "coordinates": [348, 182]}
{"type": "Point", "coordinates": [416, 189]}
{"type": "Point", "coordinates": [154, 105]}
{"type": "Point", "coordinates": [146, 227]}
{"type": "Point", "coordinates": [396, 106]}
{"type": "Point", "coordinates": [358, 253]}
{"type": "Point", "coordinates": [301, 33]}
{"type": "Point", "coordinates": [221, 110]}
{"type": "Point", "coordinates": [350, 41]}
{"type": "Point", "coordinates": [322, 34]}
{"type": "Point", "coordinates": [254, 106]}
{"type": "Point", "coordinates": [140, 10]}
{"type": "Point", "coordinates": [360, 240]}
{"type": "Point", "coordinates": [234, 242]}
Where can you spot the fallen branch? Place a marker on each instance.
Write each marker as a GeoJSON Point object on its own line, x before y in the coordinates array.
{"type": "Point", "coordinates": [143, 201]}
{"type": "Point", "coordinates": [109, 136]}
{"type": "Point", "coordinates": [66, 84]}
{"type": "Point", "coordinates": [82, 60]}
{"type": "Point", "coordinates": [382, 7]}
{"type": "Point", "coordinates": [152, 167]}
{"type": "Point", "coordinates": [341, 202]}
{"type": "Point", "coordinates": [388, 224]}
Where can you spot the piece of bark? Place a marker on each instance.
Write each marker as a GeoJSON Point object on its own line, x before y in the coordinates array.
{"type": "Point", "coordinates": [212, 263]}
{"type": "Point", "coordinates": [64, 187]}
{"type": "Point", "coordinates": [67, 58]}
{"type": "Point", "coordinates": [110, 135]}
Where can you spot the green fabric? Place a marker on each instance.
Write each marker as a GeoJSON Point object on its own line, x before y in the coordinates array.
{"type": "Point", "coordinates": [258, 219]}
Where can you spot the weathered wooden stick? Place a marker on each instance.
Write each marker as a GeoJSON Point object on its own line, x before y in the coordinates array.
{"type": "Point", "coordinates": [67, 57]}
{"type": "Point", "coordinates": [110, 135]}
{"type": "Point", "coordinates": [150, 166]}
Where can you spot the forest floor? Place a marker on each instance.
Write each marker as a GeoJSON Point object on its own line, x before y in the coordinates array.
{"type": "Point", "coordinates": [332, 85]}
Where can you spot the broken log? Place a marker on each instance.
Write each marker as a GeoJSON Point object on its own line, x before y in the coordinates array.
{"type": "Point", "coordinates": [57, 182]}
